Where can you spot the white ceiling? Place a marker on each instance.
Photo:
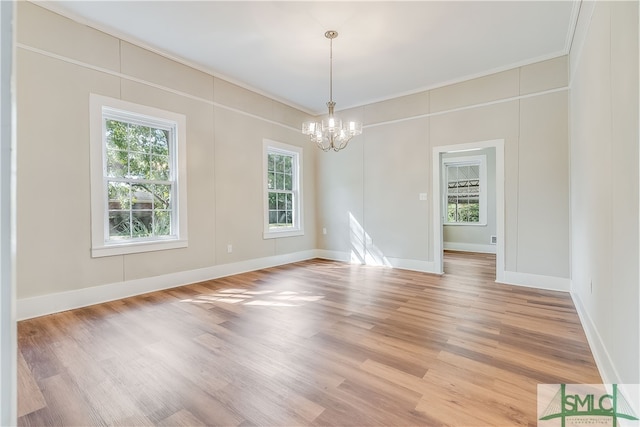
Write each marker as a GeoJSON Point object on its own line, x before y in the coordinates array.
{"type": "Point", "coordinates": [384, 49]}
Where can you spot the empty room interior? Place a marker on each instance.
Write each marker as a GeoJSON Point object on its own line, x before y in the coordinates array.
{"type": "Point", "coordinates": [318, 213]}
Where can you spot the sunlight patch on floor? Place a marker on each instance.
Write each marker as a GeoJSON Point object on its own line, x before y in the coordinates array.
{"type": "Point", "coordinates": [257, 298]}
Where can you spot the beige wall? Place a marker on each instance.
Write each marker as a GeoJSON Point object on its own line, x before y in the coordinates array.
{"type": "Point", "coordinates": [604, 185]}
{"type": "Point", "coordinates": [365, 197]}
{"type": "Point", "coordinates": [59, 63]}
{"type": "Point", "coordinates": [378, 179]}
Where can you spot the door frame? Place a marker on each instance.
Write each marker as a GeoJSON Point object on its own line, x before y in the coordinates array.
{"type": "Point", "coordinates": [438, 208]}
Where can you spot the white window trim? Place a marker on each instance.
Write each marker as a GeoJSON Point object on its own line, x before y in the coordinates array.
{"type": "Point", "coordinates": [298, 228]}
{"type": "Point", "coordinates": [100, 246]}
{"type": "Point", "coordinates": [480, 160]}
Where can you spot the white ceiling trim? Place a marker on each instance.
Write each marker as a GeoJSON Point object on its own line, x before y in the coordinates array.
{"type": "Point", "coordinates": [53, 7]}
{"type": "Point", "coordinates": [56, 8]}
{"type": "Point", "coordinates": [465, 78]}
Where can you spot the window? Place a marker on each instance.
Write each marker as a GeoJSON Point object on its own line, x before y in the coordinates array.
{"type": "Point", "coordinates": [465, 195]}
{"type": "Point", "coordinates": [282, 183]}
{"type": "Point", "coordinates": [138, 179]}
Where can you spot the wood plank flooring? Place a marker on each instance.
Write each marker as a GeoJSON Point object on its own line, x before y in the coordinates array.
{"type": "Point", "coordinates": [316, 343]}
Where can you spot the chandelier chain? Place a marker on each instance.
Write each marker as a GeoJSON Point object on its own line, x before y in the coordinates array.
{"type": "Point", "coordinates": [330, 134]}
{"type": "Point", "coordinates": [331, 68]}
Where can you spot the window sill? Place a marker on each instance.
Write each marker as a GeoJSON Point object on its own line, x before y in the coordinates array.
{"type": "Point", "coordinates": [135, 248]}
{"type": "Point", "coordinates": [471, 224]}
{"type": "Point", "coordinates": [283, 233]}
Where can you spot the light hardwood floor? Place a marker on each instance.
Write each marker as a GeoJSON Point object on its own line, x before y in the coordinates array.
{"type": "Point", "coordinates": [310, 343]}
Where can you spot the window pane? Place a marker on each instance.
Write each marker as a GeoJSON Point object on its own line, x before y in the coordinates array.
{"type": "Point", "coordinates": [271, 162]}
{"type": "Point", "coordinates": [119, 195]}
{"type": "Point", "coordinates": [119, 225]}
{"type": "Point", "coordinates": [161, 196]}
{"type": "Point", "coordinates": [474, 172]}
{"type": "Point", "coordinates": [462, 213]}
{"type": "Point", "coordinates": [282, 201]}
{"type": "Point", "coordinates": [451, 212]}
{"type": "Point", "coordinates": [273, 201]}
{"type": "Point", "coordinates": [160, 142]}
{"type": "Point", "coordinates": [116, 135]}
{"type": "Point", "coordinates": [279, 181]}
{"type": "Point", "coordinates": [271, 181]}
{"type": "Point", "coordinates": [159, 168]}
{"type": "Point", "coordinates": [141, 196]}
{"type": "Point", "coordinates": [141, 223]}
{"type": "Point", "coordinates": [474, 212]}
{"type": "Point", "coordinates": [162, 223]}
{"type": "Point", "coordinates": [289, 201]}
{"type": "Point", "coordinates": [139, 139]}
{"type": "Point", "coordinates": [142, 200]}
{"type": "Point", "coordinates": [138, 165]}
{"type": "Point", "coordinates": [452, 173]}
{"type": "Point", "coordinates": [288, 162]}
{"type": "Point", "coordinates": [279, 163]}
{"type": "Point", "coordinates": [288, 183]}
{"type": "Point", "coordinates": [117, 163]}
{"type": "Point", "coordinates": [273, 217]}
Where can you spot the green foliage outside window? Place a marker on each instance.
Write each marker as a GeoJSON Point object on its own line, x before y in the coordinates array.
{"type": "Point", "coordinates": [463, 212]}
{"type": "Point", "coordinates": [138, 180]}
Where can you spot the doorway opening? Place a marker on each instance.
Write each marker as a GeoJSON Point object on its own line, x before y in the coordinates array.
{"type": "Point", "coordinates": [447, 209]}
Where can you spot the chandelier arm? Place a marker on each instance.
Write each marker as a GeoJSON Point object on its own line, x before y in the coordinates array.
{"type": "Point", "coordinates": [329, 139]}
{"type": "Point", "coordinates": [321, 146]}
{"type": "Point", "coordinates": [343, 144]}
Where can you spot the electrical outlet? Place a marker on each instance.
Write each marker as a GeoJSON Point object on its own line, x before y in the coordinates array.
{"type": "Point", "coordinates": [422, 196]}
{"type": "Point", "coordinates": [591, 285]}
{"type": "Point", "coordinates": [229, 248]}
{"type": "Point", "coordinates": [324, 230]}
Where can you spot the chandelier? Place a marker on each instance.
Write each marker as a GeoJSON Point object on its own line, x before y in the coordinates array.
{"type": "Point", "coordinates": [330, 134]}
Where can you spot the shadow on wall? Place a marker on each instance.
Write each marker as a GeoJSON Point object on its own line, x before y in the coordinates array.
{"type": "Point", "coordinates": [363, 251]}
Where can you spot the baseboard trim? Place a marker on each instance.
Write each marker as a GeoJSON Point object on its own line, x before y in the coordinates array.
{"type": "Point", "coordinates": [602, 358]}
{"type": "Point", "coordinates": [334, 255]}
{"type": "Point", "coordinates": [536, 281]}
{"type": "Point", "coordinates": [414, 264]}
{"type": "Point", "coordinates": [470, 247]}
{"type": "Point", "coordinates": [27, 308]}
{"type": "Point", "coordinates": [402, 263]}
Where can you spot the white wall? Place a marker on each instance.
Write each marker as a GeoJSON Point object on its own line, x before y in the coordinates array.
{"type": "Point", "coordinates": [379, 177]}
{"type": "Point", "coordinates": [475, 238]}
{"type": "Point", "coordinates": [59, 63]}
{"type": "Point", "coordinates": [604, 185]}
